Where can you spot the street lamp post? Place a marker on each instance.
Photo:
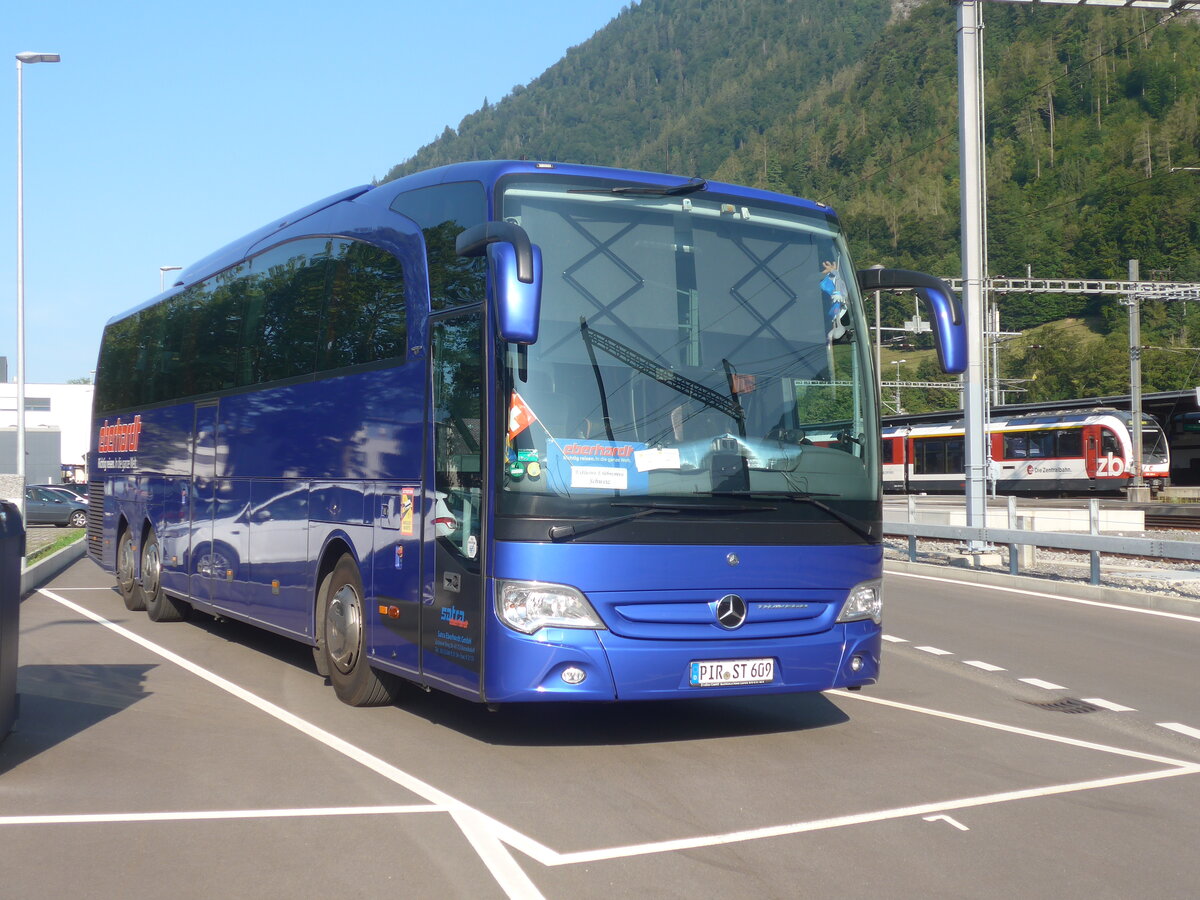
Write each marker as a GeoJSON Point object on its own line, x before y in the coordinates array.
{"type": "Point", "coordinates": [898, 363]}
{"type": "Point", "coordinates": [23, 59]}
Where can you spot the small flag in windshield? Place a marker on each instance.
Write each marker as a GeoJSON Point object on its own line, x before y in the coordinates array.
{"type": "Point", "coordinates": [520, 416]}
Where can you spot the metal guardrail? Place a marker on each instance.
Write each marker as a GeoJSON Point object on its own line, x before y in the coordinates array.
{"type": "Point", "coordinates": [1092, 543]}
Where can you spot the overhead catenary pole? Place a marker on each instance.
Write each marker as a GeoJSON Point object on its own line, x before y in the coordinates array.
{"type": "Point", "coordinates": [970, 129]}
{"type": "Point", "coordinates": [1137, 487]}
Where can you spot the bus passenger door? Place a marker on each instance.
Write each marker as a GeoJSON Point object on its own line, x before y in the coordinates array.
{"type": "Point", "coordinates": [453, 603]}
{"type": "Point", "coordinates": [396, 572]}
{"type": "Point", "coordinates": [202, 559]}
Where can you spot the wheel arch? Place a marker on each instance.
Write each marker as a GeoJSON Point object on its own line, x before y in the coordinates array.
{"type": "Point", "coordinates": [336, 546]}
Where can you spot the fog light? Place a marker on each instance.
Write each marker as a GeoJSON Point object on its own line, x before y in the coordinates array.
{"type": "Point", "coordinates": [574, 675]}
{"type": "Point", "coordinates": [856, 663]}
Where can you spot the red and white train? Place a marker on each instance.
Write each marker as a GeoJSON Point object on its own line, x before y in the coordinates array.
{"type": "Point", "coordinates": [1079, 451]}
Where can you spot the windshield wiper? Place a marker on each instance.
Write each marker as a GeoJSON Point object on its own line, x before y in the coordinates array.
{"type": "Point", "coordinates": [695, 184]}
{"type": "Point", "coordinates": [730, 406]}
{"type": "Point", "coordinates": [809, 497]}
{"type": "Point", "coordinates": [564, 532]}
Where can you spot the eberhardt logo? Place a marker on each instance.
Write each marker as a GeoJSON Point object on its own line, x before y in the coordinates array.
{"type": "Point", "coordinates": [123, 437]}
{"type": "Point", "coordinates": [598, 449]}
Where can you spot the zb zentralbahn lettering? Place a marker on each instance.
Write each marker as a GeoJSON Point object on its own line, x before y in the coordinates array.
{"type": "Point", "coordinates": [516, 431]}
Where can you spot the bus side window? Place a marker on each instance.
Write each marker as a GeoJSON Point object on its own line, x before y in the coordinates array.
{"type": "Point", "coordinates": [444, 211]}
{"type": "Point", "coordinates": [364, 319]}
{"type": "Point", "coordinates": [288, 286]}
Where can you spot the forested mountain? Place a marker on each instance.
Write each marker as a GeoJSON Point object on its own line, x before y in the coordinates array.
{"type": "Point", "coordinates": [854, 103]}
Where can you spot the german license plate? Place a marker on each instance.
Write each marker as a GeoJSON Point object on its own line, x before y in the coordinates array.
{"type": "Point", "coordinates": [722, 672]}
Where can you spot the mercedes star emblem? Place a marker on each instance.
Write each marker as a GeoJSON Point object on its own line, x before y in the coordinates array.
{"type": "Point", "coordinates": [731, 611]}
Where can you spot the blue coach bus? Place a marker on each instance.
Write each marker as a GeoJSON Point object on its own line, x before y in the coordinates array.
{"type": "Point", "coordinates": [516, 431]}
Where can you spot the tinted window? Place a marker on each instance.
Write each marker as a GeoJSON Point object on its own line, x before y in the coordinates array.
{"type": "Point", "coordinates": [289, 284]}
{"type": "Point", "coordinates": [444, 211]}
{"type": "Point", "coordinates": [308, 305]}
{"type": "Point", "coordinates": [364, 315]}
{"type": "Point", "coordinates": [954, 455]}
{"type": "Point", "coordinates": [929, 456]}
{"type": "Point", "coordinates": [1070, 442]}
{"type": "Point", "coordinates": [115, 378]}
{"type": "Point", "coordinates": [1108, 443]}
{"type": "Point", "coordinates": [937, 456]}
{"type": "Point", "coordinates": [217, 329]}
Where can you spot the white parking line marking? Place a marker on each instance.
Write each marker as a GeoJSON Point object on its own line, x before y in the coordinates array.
{"type": "Point", "coordinates": [220, 814]}
{"type": "Point", "coordinates": [935, 651]}
{"type": "Point", "coordinates": [893, 639]}
{"type": "Point", "coordinates": [987, 667]}
{"type": "Point", "coordinates": [488, 836]}
{"type": "Point", "coordinates": [1044, 685]}
{"type": "Point", "coordinates": [865, 818]}
{"type": "Point", "coordinates": [1181, 729]}
{"type": "Point", "coordinates": [1013, 729]}
{"type": "Point", "coordinates": [947, 819]}
{"type": "Point", "coordinates": [1044, 596]}
{"type": "Point", "coordinates": [1108, 704]}
{"type": "Point", "coordinates": [507, 873]}
{"type": "Point", "coordinates": [479, 831]}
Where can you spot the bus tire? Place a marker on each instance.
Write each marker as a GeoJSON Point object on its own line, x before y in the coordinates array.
{"type": "Point", "coordinates": [160, 606]}
{"type": "Point", "coordinates": [344, 641]}
{"type": "Point", "coordinates": [127, 583]}
{"type": "Point", "coordinates": [320, 659]}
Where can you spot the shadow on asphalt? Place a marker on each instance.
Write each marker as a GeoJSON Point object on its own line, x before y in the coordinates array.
{"type": "Point", "coordinates": [59, 702]}
{"type": "Point", "coordinates": [569, 724]}
{"type": "Point", "coordinates": [642, 722]}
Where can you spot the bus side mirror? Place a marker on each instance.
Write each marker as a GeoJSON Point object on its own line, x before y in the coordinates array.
{"type": "Point", "coordinates": [516, 265]}
{"type": "Point", "coordinates": [949, 327]}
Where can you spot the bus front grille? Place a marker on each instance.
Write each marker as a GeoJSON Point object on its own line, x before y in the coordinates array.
{"type": "Point", "coordinates": [95, 519]}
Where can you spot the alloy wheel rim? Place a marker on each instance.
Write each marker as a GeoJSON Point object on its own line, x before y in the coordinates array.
{"type": "Point", "coordinates": [343, 627]}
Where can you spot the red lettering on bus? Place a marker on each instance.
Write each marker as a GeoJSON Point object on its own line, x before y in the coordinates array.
{"type": "Point", "coordinates": [123, 437]}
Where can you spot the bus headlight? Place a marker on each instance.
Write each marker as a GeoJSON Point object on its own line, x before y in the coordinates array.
{"type": "Point", "coordinates": [865, 601]}
{"type": "Point", "coordinates": [526, 606]}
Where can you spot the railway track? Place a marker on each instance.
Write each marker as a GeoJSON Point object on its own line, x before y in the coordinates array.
{"type": "Point", "coordinates": [1172, 516]}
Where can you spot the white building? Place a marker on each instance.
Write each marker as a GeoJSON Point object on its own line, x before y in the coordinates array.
{"type": "Point", "coordinates": [62, 408]}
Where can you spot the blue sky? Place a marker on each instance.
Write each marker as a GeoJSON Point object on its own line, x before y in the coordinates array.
{"type": "Point", "coordinates": [170, 129]}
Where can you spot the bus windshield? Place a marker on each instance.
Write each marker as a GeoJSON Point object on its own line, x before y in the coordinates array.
{"type": "Point", "coordinates": [692, 349]}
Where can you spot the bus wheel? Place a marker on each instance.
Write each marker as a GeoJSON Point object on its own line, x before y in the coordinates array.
{"type": "Point", "coordinates": [127, 584]}
{"type": "Point", "coordinates": [320, 658]}
{"type": "Point", "coordinates": [160, 606]}
{"type": "Point", "coordinates": [354, 681]}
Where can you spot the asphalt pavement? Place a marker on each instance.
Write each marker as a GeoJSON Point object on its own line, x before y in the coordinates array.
{"type": "Point", "coordinates": [207, 758]}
